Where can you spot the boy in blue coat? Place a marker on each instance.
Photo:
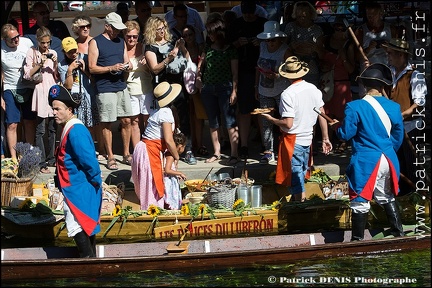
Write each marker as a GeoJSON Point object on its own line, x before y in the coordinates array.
{"type": "Point", "coordinates": [375, 127]}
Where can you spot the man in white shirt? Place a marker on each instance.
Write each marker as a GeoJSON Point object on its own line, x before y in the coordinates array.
{"type": "Point", "coordinates": [13, 54]}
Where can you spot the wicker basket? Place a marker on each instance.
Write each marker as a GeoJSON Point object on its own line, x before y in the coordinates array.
{"type": "Point", "coordinates": [222, 195]}
{"type": "Point", "coordinates": [11, 187]}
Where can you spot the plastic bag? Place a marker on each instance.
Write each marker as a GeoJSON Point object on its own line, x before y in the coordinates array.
{"type": "Point", "coordinates": [189, 76]}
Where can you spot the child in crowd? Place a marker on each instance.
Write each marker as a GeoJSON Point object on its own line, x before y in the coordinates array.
{"type": "Point", "coordinates": [173, 194]}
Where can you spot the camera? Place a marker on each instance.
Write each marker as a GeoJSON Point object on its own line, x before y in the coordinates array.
{"type": "Point", "coordinates": [126, 66]}
{"type": "Point", "coordinates": [49, 55]}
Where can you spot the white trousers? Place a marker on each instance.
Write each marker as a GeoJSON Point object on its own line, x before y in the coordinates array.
{"type": "Point", "coordinates": [382, 192]}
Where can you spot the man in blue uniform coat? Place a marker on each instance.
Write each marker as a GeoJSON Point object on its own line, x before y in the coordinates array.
{"type": "Point", "coordinates": [374, 125]}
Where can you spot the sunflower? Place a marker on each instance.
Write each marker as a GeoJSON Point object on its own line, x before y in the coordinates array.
{"type": "Point", "coordinates": [276, 205]}
{"type": "Point", "coordinates": [238, 204]}
{"type": "Point", "coordinates": [203, 208]}
{"type": "Point", "coordinates": [117, 211]}
{"type": "Point", "coordinates": [185, 209]}
{"type": "Point", "coordinates": [153, 210]}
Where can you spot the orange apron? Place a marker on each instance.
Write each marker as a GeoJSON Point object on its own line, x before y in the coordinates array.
{"type": "Point", "coordinates": [286, 151]}
{"type": "Point", "coordinates": [154, 149]}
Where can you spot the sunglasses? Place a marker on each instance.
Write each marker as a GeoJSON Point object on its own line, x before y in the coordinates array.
{"type": "Point", "coordinates": [14, 38]}
{"type": "Point", "coordinates": [43, 13]}
{"type": "Point", "coordinates": [88, 26]}
{"type": "Point", "coordinates": [160, 29]}
{"type": "Point", "coordinates": [132, 36]}
{"type": "Point", "coordinates": [187, 35]}
{"type": "Point", "coordinates": [271, 40]}
{"type": "Point", "coordinates": [48, 43]}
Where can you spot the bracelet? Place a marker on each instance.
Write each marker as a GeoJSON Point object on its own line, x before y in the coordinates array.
{"type": "Point", "coordinates": [165, 63]}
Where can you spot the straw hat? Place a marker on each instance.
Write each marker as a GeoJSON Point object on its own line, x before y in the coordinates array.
{"type": "Point", "coordinates": [293, 68]}
{"type": "Point", "coordinates": [60, 93]}
{"type": "Point", "coordinates": [271, 30]}
{"type": "Point", "coordinates": [376, 75]}
{"type": "Point", "coordinates": [398, 45]}
{"type": "Point", "coordinates": [165, 93]}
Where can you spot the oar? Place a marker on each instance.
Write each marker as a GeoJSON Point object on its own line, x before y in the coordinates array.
{"type": "Point", "coordinates": [184, 233]}
{"type": "Point", "coordinates": [330, 120]}
{"type": "Point", "coordinates": [198, 187]}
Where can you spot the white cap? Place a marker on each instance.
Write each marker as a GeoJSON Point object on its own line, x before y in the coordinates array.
{"type": "Point", "coordinates": [115, 20]}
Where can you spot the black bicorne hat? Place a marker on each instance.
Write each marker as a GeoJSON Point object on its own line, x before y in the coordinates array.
{"type": "Point", "coordinates": [376, 75]}
{"type": "Point", "coordinates": [60, 93]}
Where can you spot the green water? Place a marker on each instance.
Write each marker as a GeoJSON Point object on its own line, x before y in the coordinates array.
{"type": "Point", "coordinates": [371, 271]}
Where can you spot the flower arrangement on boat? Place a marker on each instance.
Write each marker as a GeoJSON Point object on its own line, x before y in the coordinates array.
{"type": "Point", "coordinates": [26, 165]}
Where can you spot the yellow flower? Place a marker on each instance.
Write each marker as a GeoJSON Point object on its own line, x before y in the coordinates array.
{"type": "Point", "coordinates": [276, 205]}
{"type": "Point", "coordinates": [117, 211]}
{"type": "Point", "coordinates": [237, 204]}
{"type": "Point", "coordinates": [185, 210]}
{"type": "Point", "coordinates": [203, 209]}
{"type": "Point", "coordinates": [153, 210]}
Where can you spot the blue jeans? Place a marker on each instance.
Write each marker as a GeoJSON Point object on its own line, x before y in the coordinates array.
{"type": "Point", "coordinates": [299, 167]}
{"type": "Point", "coordinates": [215, 98]}
{"type": "Point", "coordinates": [48, 156]}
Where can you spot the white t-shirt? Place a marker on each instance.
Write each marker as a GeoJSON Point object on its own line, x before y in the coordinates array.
{"type": "Point", "coordinates": [153, 129]}
{"type": "Point", "coordinates": [298, 101]}
{"type": "Point", "coordinates": [12, 61]}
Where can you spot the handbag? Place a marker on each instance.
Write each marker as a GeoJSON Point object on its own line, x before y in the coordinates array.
{"type": "Point", "coordinates": [189, 76]}
{"type": "Point", "coordinates": [326, 84]}
{"type": "Point", "coordinates": [36, 78]}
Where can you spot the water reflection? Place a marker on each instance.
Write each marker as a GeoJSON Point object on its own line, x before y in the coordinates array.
{"type": "Point", "coordinates": [367, 271]}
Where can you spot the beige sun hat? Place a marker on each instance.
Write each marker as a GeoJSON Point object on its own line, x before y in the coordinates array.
{"type": "Point", "coordinates": [165, 93]}
{"type": "Point", "coordinates": [398, 45]}
{"type": "Point", "coordinates": [293, 68]}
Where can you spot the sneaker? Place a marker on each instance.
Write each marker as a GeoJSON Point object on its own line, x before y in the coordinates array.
{"type": "Point", "coordinates": [267, 158]}
{"type": "Point", "coordinates": [190, 158]}
{"type": "Point", "coordinates": [244, 153]}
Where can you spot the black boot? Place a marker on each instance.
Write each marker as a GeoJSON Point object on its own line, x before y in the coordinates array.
{"type": "Point", "coordinates": [93, 243]}
{"type": "Point", "coordinates": [358, 225]}
{"type": "Point", "coordinates": [394, 218]}
{"type": "Point", "coordinates": [85, 248]}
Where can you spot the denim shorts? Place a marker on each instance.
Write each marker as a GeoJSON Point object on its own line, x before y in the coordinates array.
{"type": "Point", "coordinates": [299, 167]}
{"type": "Point", "coordinates": [14, 109]}
{"type": "Point", "coordinates": [215, 98]}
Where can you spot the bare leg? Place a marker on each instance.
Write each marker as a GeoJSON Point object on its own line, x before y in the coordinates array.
{"type": "Point", "coordinates": [126, 134]}
{"type": "Point", "coordinates": [11, 138]}
{"type": "Point", "coordinates": [135, 131]}
{"type": "Point", "coordinates": [214, 135]}
{"type": "Point", "coordinates": [233, 134]}
{"type": "Point", "coordinates": [107, 138]}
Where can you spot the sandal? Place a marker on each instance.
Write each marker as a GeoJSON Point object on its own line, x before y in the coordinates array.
{"type": "Point", "coordinates": [127, 160]}
{"type": "Point", "coordinates": [112, 164]}
{"type": "Point", "coordinates": [101, 157]}
{"type": "Point", "coordinates": [44, 170]}
{"type": "Point", "coordinates": [202, 151]}
{"type": "Point", "coordinates": [213, 158]}
{"type": "Point", "coordinates": [233, 160]}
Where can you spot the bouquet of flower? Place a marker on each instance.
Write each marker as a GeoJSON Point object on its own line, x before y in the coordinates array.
{"type": "Point", "coordinates": [29, 158]}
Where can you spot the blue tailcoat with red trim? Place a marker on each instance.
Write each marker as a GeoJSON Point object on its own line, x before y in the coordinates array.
{"type": "Point", "coordinates": [79, 177]}
{"type": "Point", "coordinates": [370, 140]}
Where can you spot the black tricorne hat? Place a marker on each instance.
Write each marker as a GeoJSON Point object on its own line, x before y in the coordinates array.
{"type": "Point", "coordinates": [60, 93]}
{"type": "Point", "coordinates": [376, 75]}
